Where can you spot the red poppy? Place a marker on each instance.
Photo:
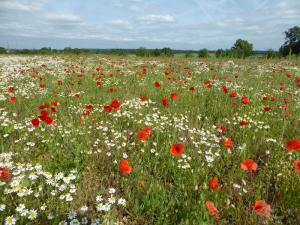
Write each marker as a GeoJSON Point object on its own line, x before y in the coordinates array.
{"type": "Point", "coordinates": [55, 103]}
{"type": "Point", "coordinates": [177, 149]}
{"type": "Point", "coordinates": [124, 166]}
{"type": "Point", "coordinates": [143, 98]}
{"type": "Point", "coordinates": [147, 130]}
{"type": "Point", "coordinates": [115, 104]}
{"type": "Point", "coordinates": [35, 122]}
{"type": "Point", "coordinates": [297, 166]}
{"type": "Point", "coordinates": [4, 174]}
{"type": "Point", "coordinates": [225, 90]}
{"type": "Point", "coordinates": [157, 84]}
{"type": "Point", "coordinates": [244, 123]}
{"type": "Point", "coordinates": [267, 109]}
{"type": "Point", "coordinates": [89, 107]}
{"type": "Point", "coordinates": [227, 143]}
{"type": "Point", "coordinates": [192, 89]}
{"type": "Point", "coordinates": [12, 99]}
{"type": "Point", "coordinates": [212, 210]}
{"type": "Point", "coordinates": [45, 106]}
{"type": "Point", "coordinates": [249, 165]}
{"type": "Point", "coordinates": [245, 100]}
{"type": "Point", "coordinates": [10, 89]}
{"type": "Point", "coordinates": [142, 135]}
{"type": "Point", "coordinates": [213, 183]}
{"type": "Point", "coordinates": [222, 129]}
{"type": "Point", "coordinates": [59, 82]}
{"type": "Point", "coordinates": [107, 108]}
{"type": "Point", "coordinates": [48, 120]}
{"type": "Point", "coordinates": [165, 102]}
{"type": "Point", "coordinates": [233, 94]}
{"type": "Point", "coordinates": [293, 145]}
{"type": "Point", "coordinates": [261, 208]}
{"type": "Point", "coordinates": [173, 96]}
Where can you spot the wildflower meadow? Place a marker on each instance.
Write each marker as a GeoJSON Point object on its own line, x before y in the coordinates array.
{"type": "Point", "coordinates": [99, 139]}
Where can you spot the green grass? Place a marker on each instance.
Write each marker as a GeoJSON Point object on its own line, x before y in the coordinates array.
{"type": "Point", "coordinates": [161, 188]}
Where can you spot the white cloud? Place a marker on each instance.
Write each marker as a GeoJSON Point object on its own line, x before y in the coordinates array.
{"type": "Point", "coordinates": [155, 19]}
{"type": "Point", "coordinates": [25, 6]}
{"type": "Point", "coordinates": [63, 18]}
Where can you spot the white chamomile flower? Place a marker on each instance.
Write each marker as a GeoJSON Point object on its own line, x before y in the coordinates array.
{"type": "Point", "coordinates": [10, 220]}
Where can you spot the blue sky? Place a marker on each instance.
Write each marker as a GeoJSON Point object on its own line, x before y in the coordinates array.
{"type": "Point", "coordinates": [179, 24]}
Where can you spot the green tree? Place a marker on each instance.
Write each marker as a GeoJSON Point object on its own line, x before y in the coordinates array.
{"type": "Point", "coordinates": [271, 54]}
{"type": "Point", "coordinates": [203, 53]}
{"type": "Point", "coordinates": [2, 50]}
{"type": "Point", "coordinates": [156, 52]}
{"type": "Point", "coordinates": [242, 48]}
{"type": "Point", "coordinates": [292, 41]}
{"type": "Point", "coordinates": [142, 52]}
{"type": "Point", "coordinates": [167, 52]}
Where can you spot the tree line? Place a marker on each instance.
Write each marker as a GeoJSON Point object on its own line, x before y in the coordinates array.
{"type": "Point", "coordinates": [240, 49]}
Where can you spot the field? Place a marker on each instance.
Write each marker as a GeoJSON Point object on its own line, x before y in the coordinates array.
{"type": "Point", "coordinates": [123, 140]}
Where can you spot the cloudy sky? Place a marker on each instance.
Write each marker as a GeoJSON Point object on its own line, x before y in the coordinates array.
{"type": "Point", "coordinates": [179, 24]}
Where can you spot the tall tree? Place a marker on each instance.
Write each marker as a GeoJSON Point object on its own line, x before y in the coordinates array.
{"type": "Point", "coordinates": [292, 41]}
{"type": "Point", "coordinates": [242, 48]}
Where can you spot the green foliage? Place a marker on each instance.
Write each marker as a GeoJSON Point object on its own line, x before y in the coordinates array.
{"type": "Point", "coordinates": [242, 49]}
{"type": "Point", "coordinates": [292, 42]}
{"type": "Point", "coordinates": [142, 52]}
{"type": "Point", "coordinates": [271, 54]}
{"type": "Point", "coordinates": [167, 52]}
{"type": "Point", "coordinates": [2, 50]}
{"type": "Point", "coordinates": [203, 53]}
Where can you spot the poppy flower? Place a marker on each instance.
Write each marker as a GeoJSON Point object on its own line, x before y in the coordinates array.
{"type": "Point", "coordinates": [115, 104]}
{"type": "Point", "coordinates": [261, 208]}
{"type": "Point", "coordinates": [165, 102]}
{"type": "Point", "coordinates": [12, 99]}
{"type": "Point", "coordinates": [48, 120]}
{"type": "Point", "coordinates": [35, 122]}
{"type": "Point", "coordinates": [107, 108]}
{"type": "Point", "coordinates": [244, 123]}
{"type": "Point", "coordinates": [213, 183]}
{"type": "Point", "coordinates": [222, 129]}
{"type": "Point", "coordinates": [143, 98]}
{"type": "Point", "coordinates": [59, 82]}
{"type": "Point", "coordinates": [142, 135]}
{"type": "Point", "coordinates": [249, 165]}
{"type": "Point", "coordinates": [55, 103]}
{"type": "Point", "coordinates": [4, 174]}
{"type": "Point", "coordinates": [267, 109]}
{"type": "Point", "coordinates": [192, 89]}
{"type": "Point", "coordinates": [212, 210]}
{"type": "Point", "coordinates": [10, 89]}
{"type": "Point", "coordinates": [157, 84]}
{"type": "Point", "coordinates": [233, 95]}
{"type": "Point", "coordinates": [124, 166]}
{"type": "Point", "coordinates": [173, 96]}
{"type": "Point", "coordinates": [147, 130]}
{"type": "Point", "coordinates": [177, 149]}
{"type": "Point", "coordinates": [227, 143]}
{"type": "Point", "coordinates": [293, 145]}
{"type": "Point", "coordinates": [245, 100]}
{"type": "Point", "coordinates": [297, 166]}
{"type": "Point", "coordinates": [89, 107]}
{"type": "Point", "coordinates": [225, 90]}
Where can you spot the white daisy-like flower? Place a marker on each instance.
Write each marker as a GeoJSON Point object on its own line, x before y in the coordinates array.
{"type": "Point", "coordinates": [10, 220]}
{"type": "Point", "coordinates": [32, 214]}
{"type": "Point", "coordinates": [2, 207]}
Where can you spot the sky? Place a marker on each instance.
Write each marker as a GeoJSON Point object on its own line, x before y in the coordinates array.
{"type": "Point", "coordinates": [178, 24]}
